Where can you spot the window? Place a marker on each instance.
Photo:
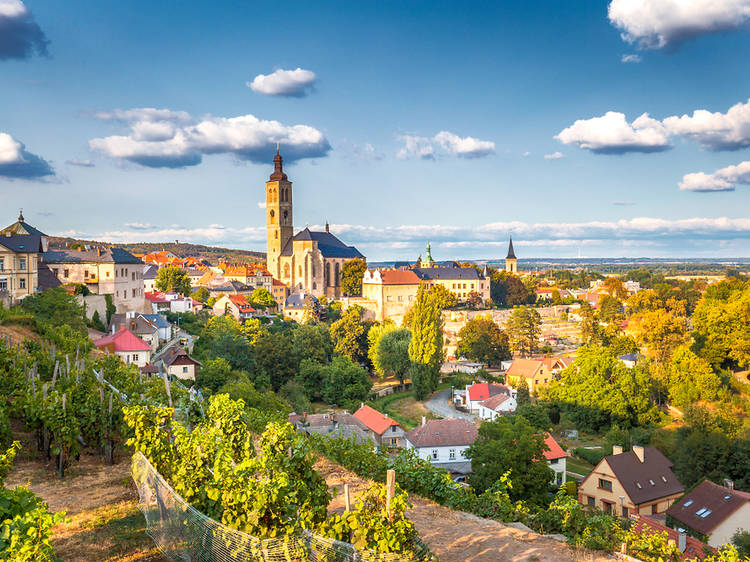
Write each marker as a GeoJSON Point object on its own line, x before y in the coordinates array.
{"type": "Point", "coordinates": [86, 273]}
{"type": "Point", "coordinates": [651, 482]}
{"type": "Point", "coordinates": [592, 501]}
{"type": "Point", "coordinates": [393, 429]}
{"type": "Point", "coordinates": [688, 503]}
{"type": "Point", "coordinates": [135, 357]}
{"type": "Point", "coordinates": [3, 284]}
{"type": "Point", "coordinates": [625, 512]}
{"type": "Point", "coordinates": [400, 298]}
{"type": "Point", "coordinates": [184, 369]}
{"type": "Point", "coordinates": [605, 484]}
{"type": "Point", "coordinates": [553, 461]}
{"type": "Point", "coordinates": [2, 263]}
{"type": "Point", "coordinates": [133, 293]}
{"type": "Point", "coordinates": [66, 273]}
{"type": "Point", "coordinates": [22, 283]}
{"type": "Point", "coordinates": [655, 509]}
{"type": "Point", "coordinates": [452, 454]}
{"type": "Point", "coordinates": [108, 274]}
{"type": "Point", "coordinates": [132, 276]}
{"type": "Point", "coordinates": [434, 454]}
{"type": "Point", "coordinates": [394, 442]}
{"type": "Point", "coordinates": [22, 264]}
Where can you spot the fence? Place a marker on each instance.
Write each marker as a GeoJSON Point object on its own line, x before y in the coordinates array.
{"type": "Point", "coordinates": [182, 533]}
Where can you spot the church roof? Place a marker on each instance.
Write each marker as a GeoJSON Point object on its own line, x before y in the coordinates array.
{"type": "Point", "coordinates": [511, 254]}
{"type": "Point", "coordinates": [328, 245]}
{"type": "Point", "coordinates": [446, 273]}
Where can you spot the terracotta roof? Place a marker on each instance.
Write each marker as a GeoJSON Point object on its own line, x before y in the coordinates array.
{"type": "Point", "coordinates": [524, 368]}
{"type": "Point", "coordinates": [124, 340]}
{"type": "Point", "coordinates": [553, 362]}
{"type": "Point", "coordinates": [277, 283]}
{"type": "Point", "coordinates": [443, 433]}
{"type": "Point", "coordinates": [495, 401]}
{"type": "Point", "coordinates": [644, 481]}
{"type": "Point", "coordinates": [707, 506]}
{"type": "Point", "coordinates": [694, 549]}
{"type": "Point", "coordinates": [399, 277]}
{"type": "Point", "coordinates": [246, 270]}
{"type": "Point", "coordinates": [555, 451]}
{"type": "Point", "coordinates": [379, 423]}
{"type": "Point", "coordinates": [154, 296]}
{"type": "Point", "coordinates": [483, 390]}
{"type": "Point", "coordinates": [242, 303]}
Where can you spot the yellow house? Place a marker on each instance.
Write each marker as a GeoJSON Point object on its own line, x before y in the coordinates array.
{"type": "Point", "coordinates": [535, 372]}
{"type": "Point", "coordinates": [637, 482]}
{"type": "Point", "coordinates": [20, 247]}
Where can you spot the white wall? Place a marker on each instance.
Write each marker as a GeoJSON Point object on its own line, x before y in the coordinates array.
{"type": "Point", "coordinates": [560, 468]}
{"type": "Point", "coordinates": [140, 358]}
{"type": "Point", "coordinates": [443, 453]}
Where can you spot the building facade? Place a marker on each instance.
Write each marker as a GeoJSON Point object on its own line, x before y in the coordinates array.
{"type": "Point", "coordinates": [20, 247]}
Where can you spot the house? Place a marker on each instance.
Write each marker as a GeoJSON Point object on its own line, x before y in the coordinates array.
{"type": "Point", "coordinates": [171, 302]}
{"type": "Point", "coordinates": [150, 272]}
{"type": "Point", "coordinates": [711, 513]}
{"type": "Point", "coordinates": [127, 346]}
{"type": "Point", "coordinates": [280, 292]}
{"type": "Point", "coordinates": [480, 392]}
{"type": "Point", "coordinates": [344, 425]}
{"type": "Point", "coordinates": [229, 288]}
{"type": "Point", "coordinates": [636, 482]}
{"type": "Point", "coordinates": [194, 275]}
{"type": "Point", "coordinates": [444, 443]}
{"type": "Point", "coordinates": [556, 459]}
{"type": "Point", "coordinates": [103, 270]}
{"type": "Point", "coordinates": [179, 364]}
{"type": "Point", "coordinates": [137, 324]}
{"type": "Point", "coordinates": [21, 246]}
{"type": "Point", "coordinates": [629, 359]}
{"type": "Point", "coordinates": [235, 305]}
{"type": "Point", "coordinates": [296, 306]}
{"type": "Point", "coordinates": [557, 365]}
{"type": "Point", "coordinates": [161, 323]}
{"type": "Point", "coordinates": [391, 292]}
{"type": "Point", "coordinates": [691, 549]}
{"type": "Point", "coordinates": [534, 372]}
{"type": "Point", "coordinates": [468, 367]}
{"type": "Point", "coordinates": [388, 432]}
{"type": "Point", "coordinates": [253, 275]}
{"type": "Point", "coordinates": [496, 406]}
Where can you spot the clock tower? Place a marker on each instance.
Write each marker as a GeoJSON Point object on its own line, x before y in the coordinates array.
{"type": "Point", "coordinates": [279, 224]}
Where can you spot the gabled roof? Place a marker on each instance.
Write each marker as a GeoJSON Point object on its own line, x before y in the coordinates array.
{"type": "Point", "coordinates": [707, 506]}
{"type": "Point", "coordinates": [150, 271]}
{"type": "Point", "coordinates": [22, 243]}
{"type": "Point", "coordinates": [483, 390]}
{"type": "Point", "coordinates": [561, 362]}
{"type": "Point", "coordinates": [328, 245]}
{"type": "Point", "coordinates": [644, 481]}
{"type": "Point", "coordinates": [694, 549]}
{"type": "Point", "coordinates": [524, 368]}
{"type": "Point", "coordinates": [22, 227]}
{"type": "Point", "coordinates": [246, 270]}
{"type": "Point", "coordinates": [46, 279]}
{"type": "Point", "coordinates": [495, 401]}
{"type": "Point", "coordinates": [447, 273]}
{"type": "Point", "coordinates": [230, 286]}
{"type": "Point", "coordinates": [137, 324]}
{"type": "Point", "coordinates": [379, 423]}
{"type": "Point", "coordinates": [157, 320]}
{"type": "Point", "coordinates": [179, 356]}
{"type": "Point", "coordinates": [241, 303]}
{"type": "Point", "coordinates": [99, 255]}
{"type": "Point", "coordinates": [555, 451]}
{"type": "Point", "coordinates": [124, 340]}
{"type": "Point", "coordinates": [443, 433]}
{"type": "Point", "coordinates": [155, 296]}
{"type": "Point", "coordinates": [297, 300]}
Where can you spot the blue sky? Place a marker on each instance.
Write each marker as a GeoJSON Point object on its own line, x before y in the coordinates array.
{"type": "Point", "coordinates": [453, 122]}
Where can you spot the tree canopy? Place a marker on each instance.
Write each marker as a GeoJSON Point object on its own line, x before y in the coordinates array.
{"type": "Point", "coordinates": [262, 298]}
{"type": "Point", "coordinates": [426, 346]}
{"type": "Point", "coordinates": [173, 279]}
{"type": "Point", "coordinates": [524, 328]}
{"type": "Point", "coordinates": [352, 273]}
{"type": "Point", "coordinates": [482, 340]}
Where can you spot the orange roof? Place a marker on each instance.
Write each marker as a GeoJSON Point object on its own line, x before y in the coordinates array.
{"type": "Point", "coordinates": [241, 302]}
{"type": "Point", "coordinates": [277, 283]}
{"type": "Point", "coordinates": [524, 368]}
{"type": "Point", "coordinates": [246, 270]}
{"type": "Point", "coordinates": [399, 277]}
{"type": "Point", "coordinates": [373, 419]}
{"type": "Point", "coordinates": [555, 451]}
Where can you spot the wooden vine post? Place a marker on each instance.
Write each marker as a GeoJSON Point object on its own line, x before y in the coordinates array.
{"type": "Point", "coordinates": [61, 458]}
{"type": "Point", "coordinates": [347, 498]}
{"type": "Point", "coordinates": [390, 490]}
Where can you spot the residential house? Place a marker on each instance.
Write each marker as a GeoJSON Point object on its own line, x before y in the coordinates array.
{"type": "Point", "coordinates": [556, 459]}
{"type": "Point", "coordinates": [388, 432]}
{"type": "Point", "coordinates": [137, 324]}
{"type": "Point", "coordinates": [497, 406]}
{"type": "Point", "coordinates": [150, 272]}
{"type": "Point", "coordinates": [127, 346]}
{"type": "Point", "coordinates": [280, 292]}
{"type": "Point", "coordinates": [558, 364]}
{"type": "Point", "coordinates": [547, 293]}
{"type": "Point", "coordinates": [210, 278]}
{"type": "Point", "coordinates": [478, 392]}
{"type": "Point", "coordinates": [629, 359]}
{"type": "Point", "coordinates": [172, 302]}
{"type": "Point", "coordinates": [711, 513]}
{"type": "Point", "coordinates": [21, 246]}
{"type": "Point", "coordinates": [344, 426]}
{"type": "Point", "coordinates": [295, 306]}
{"type": "Point", "coordinates": [389, 292]}
{"type": "Point", "coordinates": [468, 367]}
{"type": "Point", "coordinates": [253, 275]}
{"type": "Point", "coordinates": [691, 549]}
{"type": "Point", "coordinates": [534, 372]}
{"type": "Point", "coordinates": [161, 323]}
{"type": "Point", "coordinates": [636, 482]}
{"type": "Point", "coordinates": [162, 258]}
{"type": "Point", "coordinates": [195, 275]}
{"type": "Point", "coordinates": [444, 443]}
{"type": "Point", "coordinates": [103, 270]}
{"type": "Point", "coordinates": [179, 364]}
{"type": "Point", "coordinates": [229, 288]}
{"type": "Point", "coordinates": [235, 305]}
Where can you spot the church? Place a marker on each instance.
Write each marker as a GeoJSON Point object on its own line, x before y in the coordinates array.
{"type": "Point", "coordinates": [308, 262]}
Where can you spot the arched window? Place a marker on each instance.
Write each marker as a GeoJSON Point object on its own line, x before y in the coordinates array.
{"type": "Point", "coordinates": [286, 271]}
{"type": "Point", "coordinates": [276, 234]}
{"type": "Point", "coordinates": [286, 214]}
{"type": "Point", "coordinates": [299, 270]}
{"type": "Point", "coordinates": [328, 274]}
{"type": "Point", "coordinates": [315, 286]}
{"type": "Point", "coordinates": [336, 278]}
{"type": "Point", "coordinates": [271, 214]}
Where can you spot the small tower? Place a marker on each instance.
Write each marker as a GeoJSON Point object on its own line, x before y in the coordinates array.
{"type": "Point", "coordinates": [428, 261]}
{"type": "Point", "coordinates": [511, 263]}
{"type": "Point", "coordinates": [279, 224]}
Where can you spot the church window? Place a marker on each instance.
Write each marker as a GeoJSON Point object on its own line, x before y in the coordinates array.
{"type": "Point", "coordinates": [286, 271]}
{"type": "Point", "coordinates": [276, 234]}
{"type": "Point", "coordinates": [328, 274]}
{"type": "Point", "coordinates": [336, 278]}
{"type": "Point", "coordinates": [286, 214]}
{"type": "Point", "coordinates": [315, 286]}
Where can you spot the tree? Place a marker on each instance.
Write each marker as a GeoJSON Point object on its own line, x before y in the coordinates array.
{"type": "Point", "coordinates": [426, 346]}
{"type": "Point", "coordinates": [312, 341]}
{"type": "Point", "coordinates": [536, 415]}
{"type": "Point", "coordinates": [507, 289]}
{"type": "Point", "coordinates": [392, 356]}
{"type": "Point", "coordinates": [374, 336]}
{"type": "Point", "coordinates": [344, 382]}
{"type": "Point", "coordinates": [511, 443]}
{"type": "Point", "coordinates": [201, 294]}
{"type": "Point", "coordinates": [262, 299]}
{"type": "Point", "coordinates": [275, 358]}
{"type": "Point", "coordinates": [482, 340]}
{"type": "Point", "coordinates": [443, 297]}
{"type": "Point", "coordinates": [96, 322]}
{"type": "Point", "coordinates": [609, 308]}
{"type": "Point", "coordinates": [222, 336]}
{"type": "Point", "coordinates": [56, 308]}
{"type": "Point", "coordinates": [615, 287]}
{"type": "Point", "coordinates": [690, 378]}
{"type": "Point", "coordinates": [173, 280]}
{"type": "Point", "coordinates": [214, 374]}
{"type": "Point", "coordinates": [590, 331]}
{"type": "Point", "coordinates": [524, 328]}
{"type": "Point", "coordinates": [349, 335]}
{"type": "Point", "coordinates": [661, 332]}
{"type": "Point", "coordinates": [352, 273]}
{"type": "Point", "coordinates": [474, 300]}
{"type": "Point", "coordinates": [741, 539]}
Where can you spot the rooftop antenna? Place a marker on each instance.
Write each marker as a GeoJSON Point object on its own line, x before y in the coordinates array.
{"type": "Point", "coordinates": [277, 147]}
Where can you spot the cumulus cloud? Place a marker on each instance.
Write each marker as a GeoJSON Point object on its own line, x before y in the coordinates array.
{"type": "Point", "coordinates": [81, 163]}
{"type": "Point", "coordinates": [655, 24]}
{"type": "Point", "coordinates": [140, 225]}
{"type": "Point", "coordinates": [612, 134]}
{"type": "Point", "coordinates": [20, 36]}
{"type": "Point", "coordinates": [288, 83]}
{"type": "Point", "coordinates": [162, 138]}
{"type": "Point", "coordinates": [18, 163]}
{"type": "Point", "coordinates": [622, 203]}
{"type": "Point", "coordinates": [631, 58]}
{"type": "Point", "coordinates": [724, 179]}
{"type": "Point", "coordinates": [443, 144]}
{"type": "Point", "coordinates": [715, 131]}
{"type": "Point", "coordinates": [554, 156]}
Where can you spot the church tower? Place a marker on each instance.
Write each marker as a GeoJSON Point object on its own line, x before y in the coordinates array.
{"type": "Point", "coordinates": [511, 263]}
{"type": "Point", "coordinates": [279, 224]}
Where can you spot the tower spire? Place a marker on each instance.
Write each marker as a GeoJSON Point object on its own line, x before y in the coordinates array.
{"type": "Point", "coordinates": [511, 253]}
{"type": "Point", "coordinates": [20, 216]}
{"type": "Point", "coordinates": [278, 166]}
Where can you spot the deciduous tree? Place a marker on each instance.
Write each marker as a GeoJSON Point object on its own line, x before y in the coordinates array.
{"type": "Point", "coordinates": [482, 340]}
{"type": "Point", "coordinates": [524, 328]}
{"type": "Point", "coordinates": [262, 299]}
{"type": "Point", "coordinates": [352, 273]}
{"type": "Point", "coordinates": [426, 346]}
{"type": "Point", "coordinates": [173, 279]}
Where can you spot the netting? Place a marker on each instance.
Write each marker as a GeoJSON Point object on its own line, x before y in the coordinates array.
{"type": "Point", "coordinates": [182, 533]}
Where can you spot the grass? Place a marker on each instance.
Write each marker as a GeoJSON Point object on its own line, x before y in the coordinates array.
{"type": "Point", "coordinates": [405, 408]}
{"type": "Point", "coordinates": [579, 466]}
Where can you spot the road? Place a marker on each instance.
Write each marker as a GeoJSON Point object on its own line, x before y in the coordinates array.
{"type": "Point", "coordinates": [440, 404]}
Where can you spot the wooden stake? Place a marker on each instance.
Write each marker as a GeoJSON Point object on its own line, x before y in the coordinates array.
{"type": "Point", "coordinates": [390, 490]}
{"type": "Point", "coordinates": [347, 498]}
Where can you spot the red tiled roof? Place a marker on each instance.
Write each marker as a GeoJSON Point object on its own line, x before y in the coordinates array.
{"type": "Point", "coordinates": [399, 277]}
{"type": "Point", "coordinates": [246, 270]}
{"type": "Point", "coordinates": [155, 296]}
{"type": "Point", "coordinates": [124, 340]}
{"type": "Point", "coordinates": [555, 451]}
{"type": "Point", "coordinates": [242, 303]}
{"type": "Point", "coordinates": [694, 549]}
{"type": "Point", "coordinates": [373, 419]}
{"type": "Point", "coordinates": [483, 390]}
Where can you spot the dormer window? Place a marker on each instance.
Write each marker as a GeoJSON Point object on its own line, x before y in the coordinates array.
{"type": "Point", "coordinates": [652, 482]}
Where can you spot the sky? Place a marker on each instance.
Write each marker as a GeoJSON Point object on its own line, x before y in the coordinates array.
{"type": "Point", "coordinates": [595, 128]}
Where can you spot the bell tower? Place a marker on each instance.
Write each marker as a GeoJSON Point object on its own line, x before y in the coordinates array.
{"type": "Point", "coordinates": [511, 263]}
{"type": "Point", "coordinates": [279, 224]}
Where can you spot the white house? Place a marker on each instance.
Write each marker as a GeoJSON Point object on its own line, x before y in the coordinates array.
{"type": "Point", "coordinates": [444, 443]}
{"type": "Point", "coordinates": [556, 459]}
{"type": "Point", "coordinates": [479, 392]}
{"type": "Point", "coordinates": [126, 345]}
{"type": "Point", "coordinates": [496, 406]}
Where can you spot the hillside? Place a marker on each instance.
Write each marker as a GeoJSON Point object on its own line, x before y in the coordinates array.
{"type": "Point", "coordinates": [182, 249]}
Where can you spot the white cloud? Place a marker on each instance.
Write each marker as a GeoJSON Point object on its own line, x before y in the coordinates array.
{"type": "Point", "coordinates": [139, 225]}
{"type": "Point", "coordinates": [261, 204]}
{"type": "Point", "coordinates": [290, 83]}
{"type": "Point", "coordinates": [444, 144]}
{"type": "Point", "coordinates": [622, 203]}
{"type": "Point", "coordinates": [631, 58]}
{"type": "Point", "coordinates": [174, 139]}
{"type": "Point", "coordinates": [20, 36]}
{"type": "Point", "coordinates": [18, 163]}
{"type": "Point", "coordinates": [554, 156]}
{"type": "Point", "coordinates": [724, 179]}
{"type": "Point", "coordinates": [716, 131]}
{"type": "Point", "coordinates": [81, 163]}
{"type": "Point", "coordinates": [612, 134]}
{"type": "Point", "coordinates": [654, 24]}
{"type": "Point", "coordinates": [526, 154]}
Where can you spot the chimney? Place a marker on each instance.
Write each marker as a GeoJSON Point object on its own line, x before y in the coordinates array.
{"type": "Point", "coordinates": [640, 452]}
{"type": "Point", "coordinates": [424, 420]}
{"type": "Point", "coordinates": [616, 449]}
{"type": "Point", "coordinates": [682, 541]}
{"type": "Point", "coordinates": [98, 251]}
{"type": "Point", "coordinates": [728, 484]}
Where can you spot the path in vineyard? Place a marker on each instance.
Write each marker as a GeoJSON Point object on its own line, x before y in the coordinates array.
{"type": "Point", "coordinates": [457, 536]}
